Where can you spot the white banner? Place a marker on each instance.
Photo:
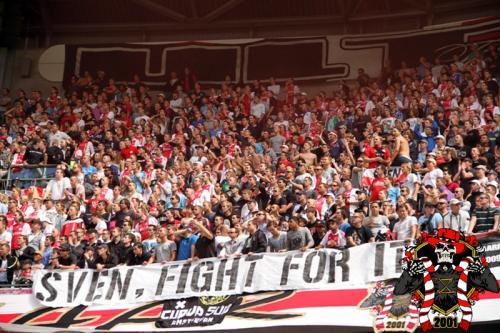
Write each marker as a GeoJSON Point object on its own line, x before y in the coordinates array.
{"type": "Point", "coordinates": [322, 269]}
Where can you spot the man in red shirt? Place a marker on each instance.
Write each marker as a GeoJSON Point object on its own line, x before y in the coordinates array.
{"type": "Point", "coordinates": [378, 183]}
{"type": "Point", "coordinates": [128, 149]}
{"type": "Point", "coordinates": [18, 229]}
{"type": "Point", "coordinates": [377, 154]}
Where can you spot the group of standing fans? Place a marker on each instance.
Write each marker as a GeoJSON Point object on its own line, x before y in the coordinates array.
{"type": "Point", "coordinates": [138, 178]}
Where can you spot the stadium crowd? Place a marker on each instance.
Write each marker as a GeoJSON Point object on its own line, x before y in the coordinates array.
{"type": "Point", "coordinates": [139, 178]}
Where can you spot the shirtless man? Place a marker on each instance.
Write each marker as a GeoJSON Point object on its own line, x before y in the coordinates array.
{"type": "Point", "coordinates": [401, 149]}
{"type": "Point", "coordinates": [307, 155]}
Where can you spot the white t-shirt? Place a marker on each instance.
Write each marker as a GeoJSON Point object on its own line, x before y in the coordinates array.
{"type": "Point", "coordinates": [56, 188]}
{"type": "Point", "coordinates": [258, 110]}
{"type": "Point", "coordinates": [459, 222]}
{"type": "Point", "coordinates": [431, 176]}
{"type": "Point", "coordinates": [403, 228]}
{"type": "Point", "coordinates": [409, 182]}
{"type": "Point", "coordinates": [379, 223]}
{"type": "Point", "coordinates": [6, 236]}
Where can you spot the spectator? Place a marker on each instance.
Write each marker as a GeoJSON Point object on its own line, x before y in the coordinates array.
{"type": "Point", "coordinates": [406, 228]}
{"type": "Point", "coordinates": [56, 187]}
{"type": "Point", "coordinates": [256, 241]}
{"type": "Point", "coordinates": [105, 259]}
{"type": "Point", "coordinates": [484, 217]}
{"type": "Point", "coordinates": [278, 238]}
{"type": "Point", "coordinates": [8, 264]}
{"type": "Point", "coordinates": [150, 242]}
{"type": "Point", "coordinates": [456, 219]}
{"type": "Point", "coordinates": [187, 241]}
{"type": "Point", "coordinates": [297, 237]}
{"type": "Point", "coordinates": [165, 250]}
{"type": "Point", "coordinates": [24, 276]}
{"type": "Point", "coordinates": [89, 257]}
{"type": "Point", "coordinates": [358, 234]}
{"type": "Point", "coordinates": [140, 256]}
{"type": "Point", "coordinates": [334, 237]}
{"type": "Point", "coordinates": [376, 223]}
{"type": "Point", "coordinates": [65, 259]}
{"type": "Point", "coordinates": [124, 252]}
{"type": "Point", "coordinates": [431, 220]}
{"type": "Point", "coordinates": [5, 235]}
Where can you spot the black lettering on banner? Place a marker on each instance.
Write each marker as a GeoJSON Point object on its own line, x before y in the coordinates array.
{"type": "Point", "coordinates": [116, 281]}
{"type": "Point", "coordinates": [181, 285]}
{"type": "Point", "coordinates": [52, 291]}
{"type": "Point", "coordinates": [379, 259]}
{"type": "Point", "coordinates": [73, 292]}
{"type": "Point", "coordinates": [343, 263]}
{"type": "Point", "coordinates": [394, 172]}
{"type": "Point", "coordinates": [331, 267]}
{"type": "Point", "coordinates": [399, 255]}
{"type": "Point", "coordinates": [287, 266]}
{"type": "Point", "coordinates": [232, 273]}
{"type": "Point", "coordinates": [251, 270]}
{"type": "Point", "coordinates": [93, 287]}
{"type": "Point", "coordinates": [207, 276]}
{"type": "Point", "coordinates": [164, 277]}
{"type": "Point", "coordinates": [321, 267]}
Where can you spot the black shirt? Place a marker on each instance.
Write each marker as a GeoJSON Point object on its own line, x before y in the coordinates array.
{"type": "Point", "coordinates": [360, 236]}
{"type": "Point", "coordinates": [124, 253]}
{"type": "Point", "coordinates": [138, 259]}
{"type": "Point", "coordinates": [34, 156]}
{"type": "Point", "coordinates": [71, 260]}
{"type": "Point", "coordinates": [54, 155]}
{"type": "Point", "coordinates": [110, 262]}
{"type": "Point", "coordinates": [205, 248]}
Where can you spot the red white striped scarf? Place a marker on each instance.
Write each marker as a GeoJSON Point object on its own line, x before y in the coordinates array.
{"type": "Point", "coordinates": [463, 301]}
{"type": "Point", "coordinates": [411, 320]}
{"type": "Point", "coordinates": [428, 301]}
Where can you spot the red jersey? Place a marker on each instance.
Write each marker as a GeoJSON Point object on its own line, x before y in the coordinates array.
{"type": "Point", "coordinates": [128, 151]}
{"type": "Point", "coordinates": [71, 225]}
{"type": "Point", "coordinates": [373, 152]}
{"type": "Point", "coordinates": [377, 185]}
{"type": "Point", "coordinates": [17, 231]}
{"type": "Point", "coordinates": [142, 228]}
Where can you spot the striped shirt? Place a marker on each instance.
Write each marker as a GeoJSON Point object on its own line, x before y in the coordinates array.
{"type": "Point", "coordinates": [485, 218]}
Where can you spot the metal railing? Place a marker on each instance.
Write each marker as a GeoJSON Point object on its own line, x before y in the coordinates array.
{"type": "Point", "coordinates": [26, 175]}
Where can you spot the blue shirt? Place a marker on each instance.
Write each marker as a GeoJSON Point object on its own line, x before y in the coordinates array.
{"type": "Point", "coordinates": [88, 170]}
{"type": "Point", "coordinates": [343, 227]}
{"type": "Point", "coordinates": [434, 220]}
{"type": "Point", "coordinates": [46, 256]}
{"type": "Point", "coordinates": [149, 244]}
{"type": "Point", "coordinates": [184, 248]}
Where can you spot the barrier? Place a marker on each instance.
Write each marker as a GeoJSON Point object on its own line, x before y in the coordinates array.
{"type": "Point", "coordinates": [24, 176]}
{"type": "Point", "coordinates": [342, 306]}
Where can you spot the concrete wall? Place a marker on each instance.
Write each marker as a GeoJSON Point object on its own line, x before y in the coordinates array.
{"type": "Point", "coordinates": [14, 72]}
{"type": "Point", "coordinates": [14, 79]}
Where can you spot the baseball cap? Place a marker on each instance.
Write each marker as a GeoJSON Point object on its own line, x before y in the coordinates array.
{"type": "Point", "coordinates": [475, 181]}
{"type": "Point", "coordinates": [454, 201]}
{"type": "Point", "coordinates": [439, 137]}
{"type": "Point", "coordinates": [480, 166]}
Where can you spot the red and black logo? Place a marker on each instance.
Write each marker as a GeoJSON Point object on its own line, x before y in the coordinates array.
{"type": "Point", "coordinates": [445, 274]}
